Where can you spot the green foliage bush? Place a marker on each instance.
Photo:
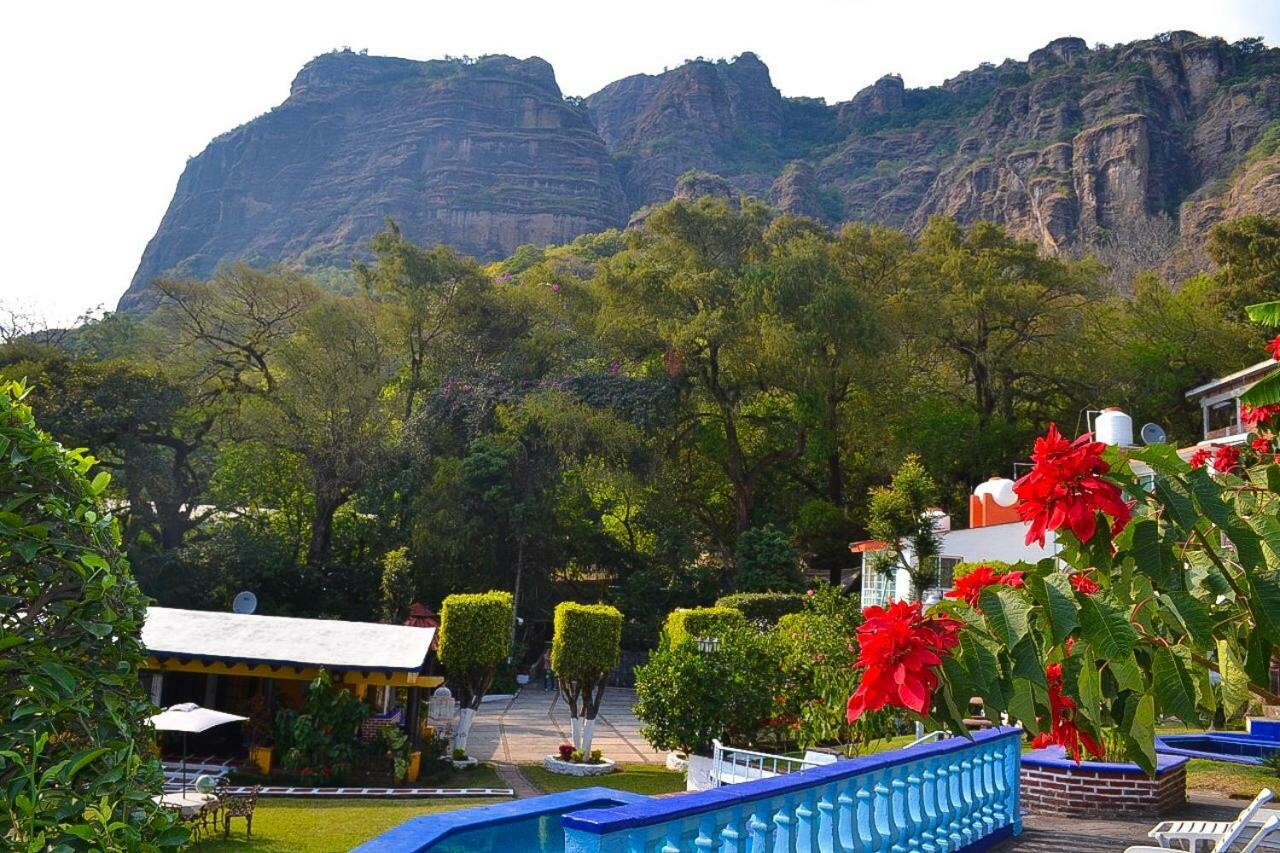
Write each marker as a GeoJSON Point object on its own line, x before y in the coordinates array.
{"type": "Point", "coordinates": [966, 567]}
{"type": "Point", "coordinates": [587, 641]}
{"type": "Point", "coordinates": [321, 744]}
{"type": "Point", "coordinates": [77, 765]}
{"type": "Point", "coordinates": [686, 625]}
{"type": "Point", "coordinates": [764, 608]}
{"type": "Point", "coordinates": [767, 561]}
{"type": "Point", "coordinates": [475, 631]}
{"type": "Point", "coordinates": [685, 698]}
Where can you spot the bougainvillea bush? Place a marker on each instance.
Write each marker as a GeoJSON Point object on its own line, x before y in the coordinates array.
{"type": "Point", "coordinates": [1169, 571]}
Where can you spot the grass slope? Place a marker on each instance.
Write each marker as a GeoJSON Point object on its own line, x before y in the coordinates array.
{"type": "Point", "coordinates": [636, 778]}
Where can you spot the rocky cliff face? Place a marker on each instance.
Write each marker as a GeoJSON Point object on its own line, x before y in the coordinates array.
{"type": "Point", "coordinates": [484, 157]}
{"type": "Point", "coordinates": [1066, 148]}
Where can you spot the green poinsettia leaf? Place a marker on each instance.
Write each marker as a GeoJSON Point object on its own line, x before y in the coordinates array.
{"type": "Point", "coordinates": [1264, 313]}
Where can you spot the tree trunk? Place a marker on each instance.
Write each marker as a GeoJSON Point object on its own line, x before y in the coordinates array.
{"type": "Point", "coordinates": [515, 593]}
{"type": "Point", "coordinates": [322, 528]}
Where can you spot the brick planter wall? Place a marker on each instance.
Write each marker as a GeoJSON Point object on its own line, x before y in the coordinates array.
{"type": "Point", "coordinates": [1054, 785]}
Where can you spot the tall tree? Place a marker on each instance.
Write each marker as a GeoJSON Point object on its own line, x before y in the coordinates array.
{"type": "Point", "coordinates": [678, 299]}
{"type": "Point", "coordinates": [427, 292]}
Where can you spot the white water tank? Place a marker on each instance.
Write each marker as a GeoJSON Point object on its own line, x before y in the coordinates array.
{"type": "Point", "coordinates": [1000, 489]}
{"type": "Point", "coordinates": [1113, 427]}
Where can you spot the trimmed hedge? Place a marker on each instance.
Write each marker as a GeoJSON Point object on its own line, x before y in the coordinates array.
{"type": "Point", "coordinates": [966, 568]}
{"type": "Point", "coordinates": [683, 625]}
{"type": "Point", "coordinates": [588, 640]}
{"type": "Point", "coordinates": [764, 608]}
{"type": "Point", "coordinates": [474, 631]}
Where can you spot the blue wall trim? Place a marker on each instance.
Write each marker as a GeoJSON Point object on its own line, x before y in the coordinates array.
{"type": "Point", "coordinates": [418, 834]}
{"type": "Point", "coordinates": [657, 811]}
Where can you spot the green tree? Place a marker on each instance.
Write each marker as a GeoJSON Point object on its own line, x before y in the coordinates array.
{"type": "Point", "coordinates": [1247, 252]}
{"type": "Point", "coordinates": [76, 764]}
{"type": "Point", "coordinates": [902, 515]}
{"type": "Point", "coordinates": [676, 299]}
{"type": "Point", "coordinates": [585, 649]}
{"type": "Point", "coordinates": [398, 585]}
{"type": "Point", "coordinates": [427, 292]}
{"type": "Point", "coordinates": [474, 640]}
{"type": "Point", "coordinates": [767, 561]}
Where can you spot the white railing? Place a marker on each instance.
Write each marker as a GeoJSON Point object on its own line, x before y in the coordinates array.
{"type": "Point", "coordinates": [730, 765]}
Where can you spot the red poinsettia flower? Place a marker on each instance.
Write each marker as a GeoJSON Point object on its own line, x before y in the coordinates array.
{"type": "Point", "coordinates": [1200, 457]}
{"type": "Point", "coordinates": [970, 587]}
{"type": "Point", "coordinates": [1261, 445]}
{"type": "Point", "coordinates": [1065, 488]}
{"type": "Point", "coordinates": [899, 648]}
{"type": "Point", "coordinates": [1274, 347]}
{"type": "Point", "coordinates": [1083, 584]}
{"type": "Point", "coordinates": [1062, 729]}
{"type": "Point", "coordinates": [1251, 416]}
{"type": "Point", "coordinates": [1226, 458]}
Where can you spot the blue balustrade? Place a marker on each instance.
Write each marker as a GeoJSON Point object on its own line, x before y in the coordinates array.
{"type": "Point", "coordinates": [942, 797]}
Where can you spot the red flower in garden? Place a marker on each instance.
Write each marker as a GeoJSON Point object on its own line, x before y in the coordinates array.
{"type": "Point", "coordinates": [1261, 445]}
{"type": "Point", "coordinates": [1251, 416]}
{"type": "Point", "coordinates": [1083, 584]}
{"type": "Point", "coordinates": [1274, 347]}
{"type": "Point", "coordinates": [1065, 488]}
{"type": "Point", "coordinates": [1063, 730]}
{"type": "Point", "coordinates": [898, 650]}
{"type": "Point", "coordinates": [1226, 458]}
{"type": "Point", "coordinates": [1200, 457]}
{"type": "Point", "coordinates": [969, 587]}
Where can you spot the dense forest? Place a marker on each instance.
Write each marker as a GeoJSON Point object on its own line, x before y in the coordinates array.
{"type": "Point", "coordinates": [652, 417]}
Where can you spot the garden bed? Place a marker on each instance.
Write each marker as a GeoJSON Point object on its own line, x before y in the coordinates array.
{"type": "Point", "coordinates": [1052, 784]}
{"type": "Point", "coordinates": [553, 764]}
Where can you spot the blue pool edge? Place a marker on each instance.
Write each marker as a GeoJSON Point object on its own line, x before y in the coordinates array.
{"type": "Point", "coordinates": [417, 834]}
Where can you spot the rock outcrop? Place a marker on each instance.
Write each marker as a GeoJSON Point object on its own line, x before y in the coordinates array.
{"type": "Point", "coordinates": [484, 156]}
{"type": "Point", "coordinates": [1063, 149]}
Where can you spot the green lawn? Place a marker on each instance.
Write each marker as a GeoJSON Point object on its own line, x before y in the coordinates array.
{"type": "Point", "coordinates": [324, 826]}
{"type": "Point", "coordinates": [637, 778]}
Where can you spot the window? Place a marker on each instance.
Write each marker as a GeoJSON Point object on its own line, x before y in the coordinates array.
{"type": "Point", "coordinates": [877, 589]}
{"type": "Point", "coordinates": [946, 571]}
{"type": "Point", "coordinates": [1220, 419]}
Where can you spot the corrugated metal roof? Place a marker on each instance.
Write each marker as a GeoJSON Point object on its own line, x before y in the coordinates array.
{"type": "Point", "coordinates": [285, 640]}
{"type": "Point", "coordinates": [1246, 373]}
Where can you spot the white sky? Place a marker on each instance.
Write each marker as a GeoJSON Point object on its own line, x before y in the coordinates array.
{"type": "Point", "coordinates": [103, 102]}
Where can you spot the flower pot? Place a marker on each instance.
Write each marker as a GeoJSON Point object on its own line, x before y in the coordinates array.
{"type": "Point", "coordinates": [698, 773]}
{"type": "Point", "coordinates": [553, 764]}
{"type": "Point", "coordinates": [467, 763]}
{"type": "Point", "coordinates": [522, 679]}
{"type": "Point", "coordinates": [677, 761]}
{"type": "Point", "coordinates": [414, 768]}
{"type": "Point", "coordinates": [260, 757]}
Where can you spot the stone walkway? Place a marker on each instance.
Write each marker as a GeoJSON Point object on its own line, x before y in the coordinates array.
{"type": "Point", "coordinates": [524, 729]}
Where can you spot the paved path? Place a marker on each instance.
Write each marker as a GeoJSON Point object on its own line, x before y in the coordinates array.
{"type": "Point", "coordinates": [1085, 835]}
{"type": "Point", "coordinates": [533, 724]}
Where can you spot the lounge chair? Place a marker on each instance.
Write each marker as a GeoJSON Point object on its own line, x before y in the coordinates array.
{"type": "Point", "coordinates": [1224, 843]}
{"type": "Point", "coordinates": [1195, 831]}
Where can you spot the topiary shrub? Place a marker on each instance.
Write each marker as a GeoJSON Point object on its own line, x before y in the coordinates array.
{"type": "Point", "coordinates": [686, 625]}
{"type": "Point", "coordinates": [764, 609]}
{"type": "Point", "coordinates": [585, 649]}
{"type": "Point", "coordinates": [77, 759]}
{"type": "Point", "coordinates": [961, 569]}
{"type": "Point", "coordinates": [685, 697]}
{"type": "Point", "coordinates": [474, 632]}
{"type": "Point", "coordinates": [767, 561]}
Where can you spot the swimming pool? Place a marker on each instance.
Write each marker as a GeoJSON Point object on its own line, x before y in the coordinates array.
{"type": "Point", "coordinates": [520, 826]}
{"type": "Point", "coordinates": [1236, 747]}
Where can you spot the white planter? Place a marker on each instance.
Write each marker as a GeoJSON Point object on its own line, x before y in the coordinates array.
{"type": "Point", "coordinates": [698, 773]}
{"type": "Point", "coordinates": [522, 679]}
{"type": "Point", "coordinates": [553, 764]}
{"type": "Point", "coordinates": [676, 761]}
{"type": "Point", "coordinates": [498, 697]}
{"type": "Point", "coordinates": [463, 763]}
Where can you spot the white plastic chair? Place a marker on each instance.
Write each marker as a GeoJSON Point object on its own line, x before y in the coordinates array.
{"type": "Point", "coordinates": [1225, 842]}
{"type": "Point", "coordinates": [1195, 831]}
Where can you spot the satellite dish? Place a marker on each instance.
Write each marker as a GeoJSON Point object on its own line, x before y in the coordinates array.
{"type": "Point", "coordinates": [246, 602]}
{"type": "Point", "coordinates": [1153, 434]}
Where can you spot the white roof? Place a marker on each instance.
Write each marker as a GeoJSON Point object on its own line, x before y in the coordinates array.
{"type": "Point", "coordinates": [1231, 377]}
{"type": "Point", "coordinates": [284, 640]}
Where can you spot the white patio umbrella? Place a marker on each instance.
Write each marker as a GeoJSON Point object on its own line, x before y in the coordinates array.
{"type": "Point", "coordinates": [189, 717]}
